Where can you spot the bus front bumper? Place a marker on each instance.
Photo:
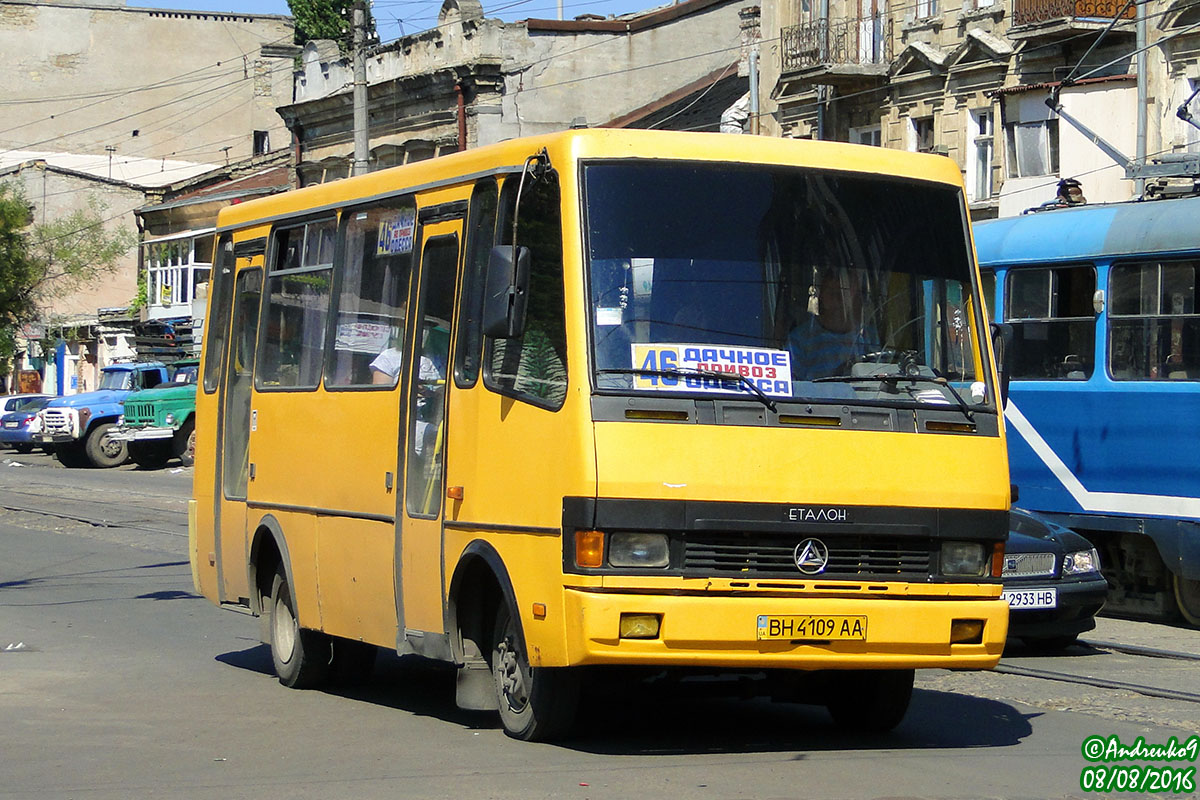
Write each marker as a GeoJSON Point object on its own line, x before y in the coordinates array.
{"type": "Point", "coordinates": [723, 631]}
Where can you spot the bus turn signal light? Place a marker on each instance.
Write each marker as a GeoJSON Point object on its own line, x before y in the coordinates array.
{"type": "Point", "coordinates": [589, 549]}
{"type": "Point", "coordinates": [997, 559]}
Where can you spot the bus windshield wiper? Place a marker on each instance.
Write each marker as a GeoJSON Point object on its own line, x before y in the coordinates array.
{"type": "Point", "coordinates": [893, 378]}
{"type": "Point", "coordinates": [759, 394]}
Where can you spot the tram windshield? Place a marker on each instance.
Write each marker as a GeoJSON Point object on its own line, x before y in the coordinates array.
{"type": "Point", "coordinates": [780, 283]}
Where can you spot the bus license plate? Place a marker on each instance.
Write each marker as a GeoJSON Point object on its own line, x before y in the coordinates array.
{"type": "Point", "coordinates": [812, 628]}
{"type": "Point", "coordinates": [1031, 598]}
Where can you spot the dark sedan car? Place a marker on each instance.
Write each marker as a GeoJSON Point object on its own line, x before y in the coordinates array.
{"type": "Point", "coordinates": [17, 427]}
{"type": "Point", "coordinates": [1052, 582]}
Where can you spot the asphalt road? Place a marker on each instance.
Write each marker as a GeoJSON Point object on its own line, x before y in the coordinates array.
{"type": "Point", "coordinates": [116, 681]}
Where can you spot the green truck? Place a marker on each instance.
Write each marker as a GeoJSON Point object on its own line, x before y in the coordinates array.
{"type": "Point", "coordinates": [160, 424]}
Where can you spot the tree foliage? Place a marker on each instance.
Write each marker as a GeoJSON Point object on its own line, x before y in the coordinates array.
{"type": "Point", "coordinates": [327, 19]}
{"type": "Point", "coordinates": [41, 262]}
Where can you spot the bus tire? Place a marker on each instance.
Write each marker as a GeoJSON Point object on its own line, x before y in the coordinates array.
{"type": "Point", "coordinates": [301, 656]}
{"type": "Point", "coordinates": [537, 704]}
{"type": "Point", "coordinates": [870, 701]}
{"type": "Point", "coordinates": [102, 450]}
{"type": "Point", "coordinates": [1187, 598]}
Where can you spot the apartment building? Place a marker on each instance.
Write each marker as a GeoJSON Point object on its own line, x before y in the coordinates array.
{"type": "Point", "coordinates": [970, 79]}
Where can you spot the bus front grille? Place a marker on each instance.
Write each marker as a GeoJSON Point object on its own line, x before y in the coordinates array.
{"type": "Point", "coordinates": [849, 556]}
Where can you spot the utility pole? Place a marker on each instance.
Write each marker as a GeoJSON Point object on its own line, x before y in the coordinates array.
{"type": "Point", "coordinates": [1142, 77]}
{"type": "Point", "coordinates": [362, 151]}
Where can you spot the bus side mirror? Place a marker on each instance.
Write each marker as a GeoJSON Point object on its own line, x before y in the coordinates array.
{"type": "Point", "coordinates": [1002, 344]}
{"type": "Point", "coordinates": [506, 288]}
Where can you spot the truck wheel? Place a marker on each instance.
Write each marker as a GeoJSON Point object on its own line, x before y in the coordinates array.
{"type": "Point", "coordinates": [184, 443]}
{"type": "Point", "coordinates": [71, 455]}
{"type": "Point", "coordinates": [537, 704]}
{"type": "Point", "coordinates": [104, 451]}
{"type": "Point", "coordinates": [150, 455]}
{"type": "Point", "coordinates": [870, 701]}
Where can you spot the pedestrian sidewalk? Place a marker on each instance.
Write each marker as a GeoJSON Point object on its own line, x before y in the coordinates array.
{"type": "Point", "coordinates": [1180, 638]}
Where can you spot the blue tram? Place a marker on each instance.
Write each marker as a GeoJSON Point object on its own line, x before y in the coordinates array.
{"type": "Point", "coordinates": [1104, 408]}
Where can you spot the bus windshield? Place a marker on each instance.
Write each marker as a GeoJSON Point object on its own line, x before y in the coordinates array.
{"type": "Point", "coordinates": [810, 284]}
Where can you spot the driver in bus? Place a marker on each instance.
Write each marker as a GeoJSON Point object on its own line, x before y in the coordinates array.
{"type": "Point", "coordinates": [833, 334]}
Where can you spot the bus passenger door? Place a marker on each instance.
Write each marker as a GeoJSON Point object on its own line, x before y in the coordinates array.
{"type": "Point", "coordinates": [419, 544]}
{"type": "Point", "coordinates": [232, 558]}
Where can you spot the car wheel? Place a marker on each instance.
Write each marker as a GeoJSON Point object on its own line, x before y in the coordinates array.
{"type": "Point", "coordinates": [23, 448]}
{"type": "Point", "coordinates": [149, 455]}
{"type": "Point", "coordinates": [1050, 644]}
{"type": "Point", "coordinates": [1187, 597]}
{"type": "Point", "coordinates": [301, 656]}
{"type": "Point", "coordinates": [185, 443]}
{"type": "Point", "coordinates": [870, 701]}
{"type": "Point", "coordinates": [102, 450]}
{"type": "Point", "coordinates": [536, 703]}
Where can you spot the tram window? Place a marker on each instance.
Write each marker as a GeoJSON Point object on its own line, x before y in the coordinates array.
{"type": "Point", "coordinates": [1054, 326]}
{"type": "Point", "coordinates": [1154, 324]}
{"type": "Point", "coordinates": [292, 338]}
{"type": "Point", "coordinates": [375, 274]}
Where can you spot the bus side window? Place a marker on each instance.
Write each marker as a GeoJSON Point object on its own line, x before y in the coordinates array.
{"type": "Point", "coordinates": [369, 315]}
{"type": "Point", "coordinates": [217, 328]}
{"type": "Point", "coordinates": [293, 327]}
{"type": "Point", "coordinates": [481, 234]}
{"type": "Point", "coordinates": [533, 366]}
{"type": "Point", "coordinates": [1054, 323]}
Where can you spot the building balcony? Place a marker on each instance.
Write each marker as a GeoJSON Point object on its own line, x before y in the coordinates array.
{"type": "Point", "coordinates": [1057, 19]}
{"type": "Point", "coordinates": [846, 53]}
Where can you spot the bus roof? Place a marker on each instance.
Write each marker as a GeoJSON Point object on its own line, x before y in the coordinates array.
{"type": "Point", "coordinates": [594, 143]}
{"type": "Point", "coordinates": [1093, 231]}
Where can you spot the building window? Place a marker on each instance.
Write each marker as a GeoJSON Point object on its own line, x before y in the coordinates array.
{"type": "Point", "coordinates": [921, 134]}
{"type": "Point", "coordinates": [1054, 323]}
{"type": "Point", "coordinates": [1032, 148]}
{"type": "Point", "coordinates": [1154, 324]}
{"type": "Point", "coordinates": [927, 8]}
{"type": "Point", "coordinates": [262, 143]}
{"type": "Point", "coordinates": [872, 135]}
{"type": "Point", "coordinates": [979, 170]}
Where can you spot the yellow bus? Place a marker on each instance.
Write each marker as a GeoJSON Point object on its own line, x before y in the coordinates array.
{"type": "Point", "coordinates": [619, 399]}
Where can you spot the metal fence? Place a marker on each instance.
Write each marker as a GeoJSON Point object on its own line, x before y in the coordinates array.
{"type": "Point", "coordinates": [838, 41]}
{"type": "Point", "coordinates": [1031, 12]}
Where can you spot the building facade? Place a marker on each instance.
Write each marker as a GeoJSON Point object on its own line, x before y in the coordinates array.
{"type": "Point", "coordinates": [472, 81]}
{"type": "Point", "coordinates": [970, 79]}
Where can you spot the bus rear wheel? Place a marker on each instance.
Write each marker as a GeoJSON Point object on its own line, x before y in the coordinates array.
{"type": "Point", "coordinates": [301, 656]}
{"type": "Point", "coordinates": [537, 704]}
{"type": "Point", "coordinates": [1187, 597]}
{"type": "Point", "coordinates": [870, 701]}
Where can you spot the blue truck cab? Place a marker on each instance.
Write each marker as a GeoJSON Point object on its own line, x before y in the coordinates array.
{"type": "Point", "coordinates": [77, 428]}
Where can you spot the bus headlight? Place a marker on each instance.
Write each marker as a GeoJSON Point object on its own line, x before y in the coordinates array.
{"type": "Point", "coordinates": [965, 559]}
{"type": "Point", "coordinates": [1081, 562]}
{"type": "Point", "coordinates": [638, 550]}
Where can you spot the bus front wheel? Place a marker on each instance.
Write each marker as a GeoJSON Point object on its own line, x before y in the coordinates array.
{"type": "Point", "coordinates": [1187, 598]}
{"type": "Point", "coordinates": [301, 656]}
{"type": "Point", "coordinates": [870, 701]}
{"type": "Point", "coordinates": [536, 703]}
